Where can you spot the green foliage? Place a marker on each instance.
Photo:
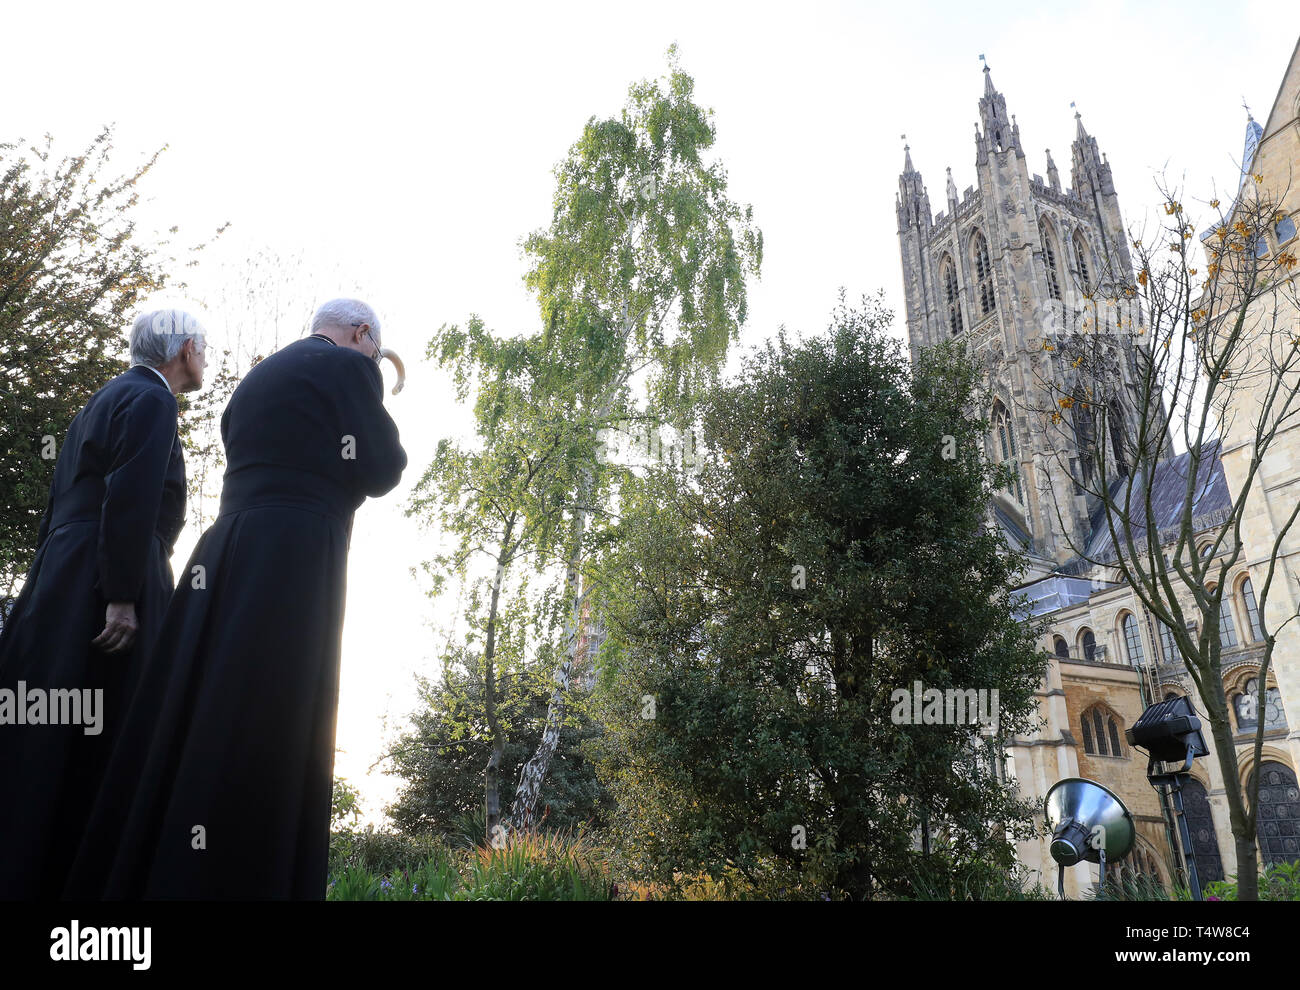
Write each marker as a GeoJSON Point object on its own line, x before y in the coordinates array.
{"type": "Point", "coordinates": [530, 867]}
{"type": "Point", "coordinates": [379, 851]}
{"type": "Point", "coordinates": [345, 803]}
{"type": "Point", "coordinates": [442, 758]}
{"type": "Point", "coordinates": [827, 554]}
{"type": "Point", "coordinates": [946, 875]}
{"type": "Point", "coordinates": [643, 266]}
{"type": "Point", "coordinates": [1131, 887]}
{"type": "Point", "coordinates": [646, 257]}
{"type": "Point", "coordinates": [72, 269]}
{"type": "Point", "coordinates": [1277, 882]}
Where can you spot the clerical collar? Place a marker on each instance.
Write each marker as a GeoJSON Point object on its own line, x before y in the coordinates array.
{"type": "Point", "coordinates": [321, 336]}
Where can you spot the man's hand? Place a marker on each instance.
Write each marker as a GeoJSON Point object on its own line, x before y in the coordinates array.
{"type": "Point", "coordinates": [120, 627]}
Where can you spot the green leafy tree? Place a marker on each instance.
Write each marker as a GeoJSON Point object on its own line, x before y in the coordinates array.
{"type": "Point", "coordinates": [345, 803]}
{"type": "Point", "coordinates": [642, 269]}
{"type": "Point", "coordinates": [441, 758]}
{"type": "Point", "coordinates": [832, 550]}
{"type": "Point", "coordinates": [72, 270]}
{"type": "Point", "coordinates": [506, 505]}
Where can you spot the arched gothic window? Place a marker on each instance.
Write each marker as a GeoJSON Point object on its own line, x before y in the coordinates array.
{"type": "Point", "coordinates": [1167, 644]}
{"type": "Point", "coordinates": [1005, 433]}
{"type": "Point", "coordinates": [1061, 647]}
{"type": "Point", "coordinates": [1049, 257]}
{"type": "Point", "coordinates": [1101, 733]}
{"type": "Point", "coordinates": [1089, 645]}
{"type": "Point", "coordinates": [1115, 427]}
{"type": "Point", "coordinates": [1227, 630]}
{"type": "Point", "coordinates": [1085, 438]}
{"type": "Point", "coordinates": [983, 275]}
{"type": "Point", "coordinates": [1081, 261]}
{"type": "Point", "coordinates": [1285, 230]}
{"type": "Point", "coordinates": [1279, 810]}
{"type": "Point", "coordinates": [1252, 609]}
{"type": "Point", "coordinates": [1133, 640]}
{"type": "Point", "coordinates": [1200, 825]}
{"type": "Point", "coordinates": [951, 295]}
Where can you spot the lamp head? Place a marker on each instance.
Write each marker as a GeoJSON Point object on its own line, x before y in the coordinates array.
{"type": "Point", "coordinates": [1087, 819]}
{"type": "Point", "coordinates": [1167, 729]}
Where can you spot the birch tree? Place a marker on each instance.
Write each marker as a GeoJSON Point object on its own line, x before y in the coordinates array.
{"type": "Point", "coordinates": [505, 504]}
{"type": "Point", "coordinates": [642, 269]}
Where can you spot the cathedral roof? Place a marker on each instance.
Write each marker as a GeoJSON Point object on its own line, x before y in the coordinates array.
{"type": "Point", "coordinates": [1012, 532]}
{"type": "Point", "coordinates": [1070, 584]}
{"type": "Point", "coordinates": [1168, 496]}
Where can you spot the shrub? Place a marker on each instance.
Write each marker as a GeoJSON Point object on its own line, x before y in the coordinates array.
{"type": "Point", "coordinates": [1277, 882]}
{"type": "Point", "coordinates": [531, 867]}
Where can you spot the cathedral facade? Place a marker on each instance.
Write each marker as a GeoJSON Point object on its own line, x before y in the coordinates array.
{"type": "Point", "coordinates": [1007, 263]}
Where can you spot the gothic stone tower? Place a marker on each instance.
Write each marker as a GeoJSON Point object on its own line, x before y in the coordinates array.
{"type": "Point", "coordinates": [1005, 267]}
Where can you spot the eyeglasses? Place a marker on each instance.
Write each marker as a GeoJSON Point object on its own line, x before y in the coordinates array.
{"type": "Point", "coordinates": [378, 356]}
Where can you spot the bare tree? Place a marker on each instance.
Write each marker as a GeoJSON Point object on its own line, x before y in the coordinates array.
{"type": "Point", "coordinates": [1211, 356]}
{"type": "Point", "coordinates": [260, 302]}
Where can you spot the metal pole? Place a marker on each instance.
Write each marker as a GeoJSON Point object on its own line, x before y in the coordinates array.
{"type": "Point", "coordinates": [1189, 855]}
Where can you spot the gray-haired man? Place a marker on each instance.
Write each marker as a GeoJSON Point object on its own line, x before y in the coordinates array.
{"type": "Point", "coordinates": [219, 787]}
{"type": "Point", "coordinates": [73, 648]}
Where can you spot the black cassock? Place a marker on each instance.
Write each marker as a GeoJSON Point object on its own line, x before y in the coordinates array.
{"type": "Point", "coordinates": [221, 785]}
{"type": "Point", "coordinates": [116, 506]}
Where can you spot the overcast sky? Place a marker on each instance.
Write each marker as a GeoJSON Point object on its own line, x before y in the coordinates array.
{"type": "Point", "coordinates": [408, 151]}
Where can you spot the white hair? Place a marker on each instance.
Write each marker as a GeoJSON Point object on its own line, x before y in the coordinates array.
{"type": "Point", "coordinates": [343, 314]}
{"type": "Point", "coordinates": [157, 337]}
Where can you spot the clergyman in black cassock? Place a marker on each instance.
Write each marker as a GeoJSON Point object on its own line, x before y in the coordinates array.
{"type": "Point", "coordinates": [115, 508]}
{"type": "Point", "coordinates": [230, 742]}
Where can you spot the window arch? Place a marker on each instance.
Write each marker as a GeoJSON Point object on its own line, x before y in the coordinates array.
{"type": "Point", "coordinates": [983, 274]}
{"type": "Point", "coordinates": [1060, 647]}
{"type": "Point", "coordinates": [1085, 438]}
{"type": "Point", "coordinates": [1132, 639]}
{"type": "Point", "coordinates": [1227, 629]}
{"type": "Point", "coordinates": [1101, 732]}
{"type": "Point", "coordinates": [1279, 809]}
{"type": "Point", "coordinates": [1081, 253]}
{"type": "Point", "coordinates": [1167, 645]}
{"type": "Point", "coordinates": [1004, 433]}
{"type": "Point", "coordinates": [951, 294]}
{"type": "Point", "coordinates": [1200, 826]}
{"type": "Point", "coordinates": [1049, 259]}
{"type": "Point", "coordinates": [1252, 609]}
{"type": "Point", "coordinates": [1088, 644]}
{"type": "Point", "coordinates": [1115, 427]}
{"type": "Point", "coordinates": [1247, 703]}
{"type": "Point", "coordinates": [1285, 230]}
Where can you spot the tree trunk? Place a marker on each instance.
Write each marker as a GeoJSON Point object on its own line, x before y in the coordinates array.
{"type": "Point", "coordinates": [491, 785]}
{"type": "Point", "coordinates": [534, 771]}
{"type": "Point", "coordinates": [1243, 824]}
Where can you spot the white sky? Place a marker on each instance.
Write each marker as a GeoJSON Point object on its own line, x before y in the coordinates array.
{"type": "Point", "coordinates": [408, 150]}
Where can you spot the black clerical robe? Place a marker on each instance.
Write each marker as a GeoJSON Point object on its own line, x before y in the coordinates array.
{"type": "Point", "coordinates": [221, 785]}
{"type": "Point", "coordinates": [116, 506]}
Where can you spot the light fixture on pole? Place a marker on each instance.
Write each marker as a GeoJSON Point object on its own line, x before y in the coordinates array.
{"type": "Point", "coordinates": [1090, 824]}
{"type": "Point", "coordinates": [1170, 732]}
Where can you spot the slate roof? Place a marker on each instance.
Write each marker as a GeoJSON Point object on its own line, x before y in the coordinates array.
{"type": "Point", "coordinates": [1212, 500]}
{"type": "Point", "coordinates": [1211, 497]}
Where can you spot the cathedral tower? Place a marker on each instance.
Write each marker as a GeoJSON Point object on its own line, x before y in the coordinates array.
{"type": "Point", "coordinates": [1006, 267]}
